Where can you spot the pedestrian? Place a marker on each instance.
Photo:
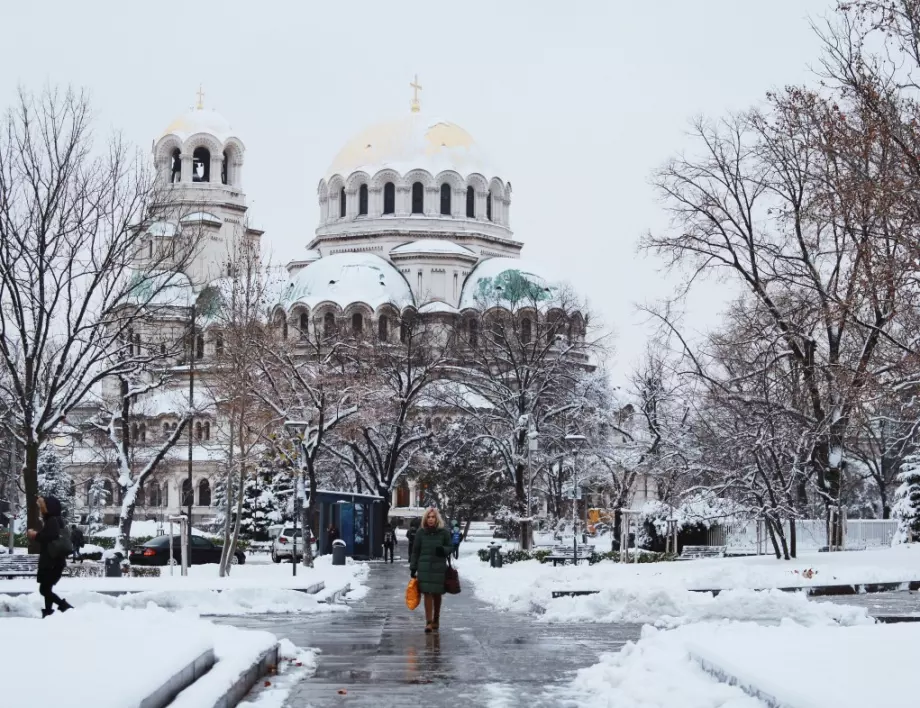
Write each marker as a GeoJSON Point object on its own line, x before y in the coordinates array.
{"type": "Point", "coordinates": [455, 538]}
{"type": "Point", "coordinates": [428, 563]}
{"type": "Point", "coordinates": [78, 541]}
{"type": "Point", "coordinates": [389, 543]}
{"type": "Point", "coordinates": [50, 565]}
{"type": "Point", "coordinates": [410, 534]}
{"type": "Point", "coordinates": [332, 534]}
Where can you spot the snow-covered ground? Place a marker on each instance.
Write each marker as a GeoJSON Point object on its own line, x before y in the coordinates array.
{"type": "Point", "coordinates": [257, 588]}
{"type": "Point", "coordinates": [105, 657]}
{"type": "Point", "coordinates": [143, 529]}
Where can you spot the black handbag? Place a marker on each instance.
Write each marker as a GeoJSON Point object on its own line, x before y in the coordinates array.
{"type": "Point", "coordinates": [451, 579]}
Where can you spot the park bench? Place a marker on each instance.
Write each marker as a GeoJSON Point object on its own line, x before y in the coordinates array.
{"type": "Point", "coordinates": [566, 554]}
{"type": "Point", "coordinates": [697, 552]}
{"type": "Point", "coordinates": [18, 566]}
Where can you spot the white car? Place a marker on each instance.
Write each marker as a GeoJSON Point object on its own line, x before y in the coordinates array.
{"type": "Point", "coordinates": [283, 543]}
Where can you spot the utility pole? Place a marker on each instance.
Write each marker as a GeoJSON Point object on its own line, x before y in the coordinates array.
{"type": "Point", "coordinates": [193, 352]}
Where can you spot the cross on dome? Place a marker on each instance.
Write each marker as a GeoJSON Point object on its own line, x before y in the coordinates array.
{"type": "Point", "coordinates": [416, 87]}
{"type": "Point", "coordinates": [200, 105]}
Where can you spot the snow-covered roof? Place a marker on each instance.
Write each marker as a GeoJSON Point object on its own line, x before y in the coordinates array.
{"type": "Point", "coordinates": [164, 289]}
{"type": "Point", "coordinates": [432, 246]}
{"type": "Point", "coordinates": [202, 216]}
{"type": "Point", "coordinates": [200, 120]}
{"type": "Point", "coordinates": [346, 278]}
{"type": "Point", "coordinates": [413, 142]}
{"type": "Point", "coordinates": [172, 400]}
{"type": "Point", "coordinates": [498, 281]}
{"type": "Point", "coordinates": [163, 228]}
{"type": "Point", "coordinates": [438, 307]}
{"type": "Point", "coordinates": [447, 393]}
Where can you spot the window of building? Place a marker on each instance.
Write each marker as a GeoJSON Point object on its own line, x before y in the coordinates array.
{"type": "Point", "coordinates": [164, 499]}
{"type": "Point", "coordinates": [225, 169]}
{"type": "Point", "coordinates": [175, 170]}
{"type": "Point", "coordinates": [418, 198]}
{"type": "Point", "coordinates": [342, 203]}
{"type": "Point", "coordinates": [328, 325]}
{"type": "Point", "coordinates": [199, 346]}
{"type": "Point", "coordinates": [402, 494]}
{"type": "Point", "coordinates": [204, 493]}
{"type": "Point", "coordinates": [473, 333]}
{"type": "Point", "coordinates": [187, 496]}
{"type": "Point", "coordinates": [150, 248]}
{"type": "Point", "coordinates": [383, 328]}
{"type": "Point", "coordinates": [470, 203]}
{"type": "Point", "coordinates": [304, 324]}
{"type": "Point", "coordinates": [219, 344]}
{"type": "Point", "coordinates": [198, 431]}
{"type": "Point", "coordinates": [403, 332]}
{"type": "Point", "coordinates": [362, 200]}
{"type": "Point", "coordinates": [526, 328]}
{"type": "Point", "coordinates": [445, 199]}
{"type": "Point", "coordinates": [140, 498]}
{"type": "Point", "coordinates": [207, 430]}
{"type": "Point", "coordinates": [357, 324]}
{"type": "Point", "coordinates": [201, 165]}
{"type": "Point", "coordinates": [389, 198]}
{"type": "Point", "coordinates": [489, 206]}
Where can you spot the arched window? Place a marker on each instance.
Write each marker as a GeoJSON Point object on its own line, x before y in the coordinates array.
{"type": "Point", "coordinates": [187, 496]}
{"type": "Point", "coordinates": [403, 332]}
{"type": "Point", "coordinates": [470, 203]}
{"type": "Point", "coordinates": [219, 344]}
{"type": "Point", "coordinates": [445, 199]}
{"type": "Point", "coordinates": [204, 493]}
{"type": "Point", "coordinates": [473, 333]}
{"type": "Point", "coordinates": [150, 248]}
{"type": "Point", "coordinates": [140, 498]}
{"type": "Point", "coordinates": [383, 326]}
{"type": "Point", "coordinates": [87, 488]}
{"type": "Point", "coordinates": [207, 430]}
{"type": "Point", "coordinates": [328, 325]}
{"type": "Point", "coordinates": [418, 198]}
{"type": "Point", "coordinates": [342, 203]}
{"type": "Point", "coordinates": [489, 206]}
{"type": "Point", "coordinates": [402, 494]}
{"type": "Point", "coordinates": [389, 198]}
{"type": "Point", "coordinates": [526, 328]}
{"type": "Point", "coordinates": [165, 431]}
{"type": "Point", "coordinates": [357, 324]}
{"type": "Point", "coordinates": [175, 173]}
{"type": "Point", "coordinates": [153, 495]}
{"type": "Point", "coordinates": [164, 499]}
{"type": "Point", "coordinates": [142, 432]}
{"type": "Point", "coordinates": [304, 324]}
{"type": "Point", "coordinates": [199, 346]}
{"type": "Point", "coordinates": [163, 349]}
{"type": "Point", "coordinates": [198, 431]}
{"type": "Point", "coordinates": [225, 169]}
{"type": "Point", "coordinates": [201, 165]}
{"type": "Point", "coordinates": [362, 200]}
{"type": "Point", "coordinates": [134, 432]}
{"type": "Point", "coordinates": [107, 487]}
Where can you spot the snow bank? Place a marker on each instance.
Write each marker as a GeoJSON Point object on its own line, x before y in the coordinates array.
{"type": "Point", "coordinates": [655, 672]}
{"type": "Point", "coordinates": [143, 529]}
{"type": "Point", "coordinates": [294, 665]}
{"type": "Point", "coordinates": [844, 667]}
{"type": "Point", "coordinates": [96, 642]}
{"type": "Point", "coordinates": [253, 589]}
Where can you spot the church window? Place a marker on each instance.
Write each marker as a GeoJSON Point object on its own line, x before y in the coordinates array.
{"type": "Point", "coordinates": [526, 328]}
{"type": "Point", "coordinates": [176, 167]}
{"type": "Point", "coordinates": [130, 342]}
{"type": "Point", "coordinates": [137, 344]}
{"type": "Point", "coordinates": [153, 495]}
{"type": "Point", "coordinates": [456, 283]}
{"type": "Point", "coordinates": [150, 248]}
{"type": "Point", "coordinates": [489, 206]}
{"type": "Point", "coordinates": [219, 344]}
{"type": "Point", "coordinates": [389, 198]}
{"type": "Point", "coordinates": [304, 324]}
{"type": "Point", "coordinates": [362, 200]}
{"type": "Point", "coordinates": [187, 496]}
{"type": "Point", "coordinates": [418, 198]}
{"type": "Point", "coordinates": [206, 429]}
{"type": "Point", "coordinates": [284, 331]}
{"type": "Point", "coordinates": [199, 431]}
{"type": "Point", "coordinates": [328, 325]}
{"type": "Point", "coordinates": [199, 346]}
{"type": "Point", "coordinates": [420, 281]}
{"type": "Point", "coordinates": [166, 430]}
{"type": "Point", "coordinates": [164, 499]}
{"type": "Point", "coordinates": [470, 203]}
{"type": "Point", "coordinates": [201, 165]}
{"type": "Point", "coordinates": [403, 332]}
{"type": "Point", "coordinates": [445, 199]}
{"type": "Point", "coordinates": [383, 328]}
{"type": "Point", "coordinates": [225, 169]}
{"type": "Point", "coordinates": [162, 348]}
{"type": "Point", "coordinates": [142, 432]}
{"type": "Point", "coordinates": [473, 333]}
{"type": "Point", "coordinates": [134, 433]}
{"type": "Point", "coordinates": [204, 493]}
{"type": "Point", "coordinates": [342, 203]}
{"type": "Point", "coordinates": [357, 324]}
{"type": "Point", "coordinates": [140, 498]}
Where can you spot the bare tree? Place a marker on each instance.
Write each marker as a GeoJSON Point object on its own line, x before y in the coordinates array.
{"type": "Point", "coordinates": [72, 226]}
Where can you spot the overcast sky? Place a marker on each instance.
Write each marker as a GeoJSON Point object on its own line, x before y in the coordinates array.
{"type": "Point", "coordinates": [576, 102]}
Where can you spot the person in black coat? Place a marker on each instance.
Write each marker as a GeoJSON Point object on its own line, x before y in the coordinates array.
{"type": "Point", "coordinates": [77, 540]}
{"type": "Point", "coordinates": [50, 569]}
{"type": "Point", "coordinates": [389, 543]}
{"type": "Point", "coordinates": [410, 534]}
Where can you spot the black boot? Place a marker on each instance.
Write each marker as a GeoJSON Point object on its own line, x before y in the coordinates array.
{"type": "Point", "coordinates": [47, 613]}
{"type": "Point", "coordinates": [64, 606]}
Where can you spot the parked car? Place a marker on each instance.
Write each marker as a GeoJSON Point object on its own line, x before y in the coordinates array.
{"type": "Point", "coordinates": [202, 551]}
{"type": "Point", "coordinates": [283, 545]}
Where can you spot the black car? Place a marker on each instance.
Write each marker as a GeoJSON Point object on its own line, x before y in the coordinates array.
{"type": "Point", "coordinates": [156, 552]}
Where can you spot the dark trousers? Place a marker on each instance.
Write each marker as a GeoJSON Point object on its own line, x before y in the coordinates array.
{"type": "Point", "coordinates": [46, 590]}
{"type": "Point", "coordinates": [457, 551]}
{"type": "Point", "coordinates": [387, 551]}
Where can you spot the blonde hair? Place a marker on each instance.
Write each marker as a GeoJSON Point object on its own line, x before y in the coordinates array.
{"type": "Point", "coordinates": [437, 515]}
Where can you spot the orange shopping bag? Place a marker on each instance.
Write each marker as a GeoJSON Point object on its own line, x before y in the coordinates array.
{"type": "Point", "coordinates": [412, 594]}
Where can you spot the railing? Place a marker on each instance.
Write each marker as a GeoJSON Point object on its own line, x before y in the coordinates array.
{"type": "Point", "coordinates": [811, 534]}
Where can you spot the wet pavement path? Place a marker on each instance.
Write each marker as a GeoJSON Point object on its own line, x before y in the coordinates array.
{"type": "Point", "coordinates": [883, 605]}
{"type": "Point", "coordinates": [380, 656]}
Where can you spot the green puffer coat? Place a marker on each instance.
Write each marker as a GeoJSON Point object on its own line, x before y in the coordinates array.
{"type": "Point", "coordinates": [430, 565]}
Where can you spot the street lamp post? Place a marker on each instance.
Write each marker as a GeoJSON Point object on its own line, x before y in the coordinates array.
{"type": "Point", "coordinates": [575, 441]}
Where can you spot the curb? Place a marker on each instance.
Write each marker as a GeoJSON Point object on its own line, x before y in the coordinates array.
{"type": "Point", "coordinates": [314, 589]}
{"type": "Point", "coordinates": [179, 681]}
{"type": "Point", "coordinates": [338, 595]}
{"type": "Point", "coordinates": [830, 590]}
{"type": "Point", "coordinates": [723, 676]}
{"type": "Point", "coordinates": [246, 680]}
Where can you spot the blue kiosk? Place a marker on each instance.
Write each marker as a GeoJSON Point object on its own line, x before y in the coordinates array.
{"type": "Point", "coordinates": [358, 518]}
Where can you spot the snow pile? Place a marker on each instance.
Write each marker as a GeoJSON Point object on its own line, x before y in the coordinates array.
{"type": "Point", "coordinates": [655, 672]}
{"type": "Point", "coordinates": [145, 529]}
{"type": "Point", "coordinates": [294, 665]}
{"type": "Point", "coordinates": [100, 642]}
{"type": "Point", "coordinates": [844, 667]}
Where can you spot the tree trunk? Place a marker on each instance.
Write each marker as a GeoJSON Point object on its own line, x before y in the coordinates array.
{"type": "Point", "coordinates": [239, 498]}
{"type": "Point", "coordinates": [30, 477]}
{"type": "Point", "coordinates": [793, 538]}
{"type": "Point", "coordinates": [123, 544]}
{"type": "Point", "coordinates": [224, 557]}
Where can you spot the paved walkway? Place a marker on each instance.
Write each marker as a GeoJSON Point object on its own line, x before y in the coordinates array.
{"type": "Point", "coordinates": [379, 655]}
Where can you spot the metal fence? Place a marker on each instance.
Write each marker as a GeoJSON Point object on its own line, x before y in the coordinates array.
{"type": "Point", "coordinates": [811, 534]}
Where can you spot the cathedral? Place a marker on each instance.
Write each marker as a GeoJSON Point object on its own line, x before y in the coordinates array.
{"type": "Point", "coordinates": [412, 214]}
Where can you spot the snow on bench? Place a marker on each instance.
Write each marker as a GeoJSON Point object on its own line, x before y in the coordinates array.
{"type": "Point", "coordinates": [696, 552]}
{"type": "Point", "coordinates": [565, 554]}
{"type": "Point", "coordinates": [18, 566]}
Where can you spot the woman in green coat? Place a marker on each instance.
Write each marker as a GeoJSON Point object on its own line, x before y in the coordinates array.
{"type": "Point", "coordinates": [428, 562]}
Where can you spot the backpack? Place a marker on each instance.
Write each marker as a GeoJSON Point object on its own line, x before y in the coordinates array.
{"type": "Point", "coordinates": [388, 539]}
{"type": "Point", "coordinates": [455, 537]}
{"type": "Point", "coordinates": [61, 547]}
